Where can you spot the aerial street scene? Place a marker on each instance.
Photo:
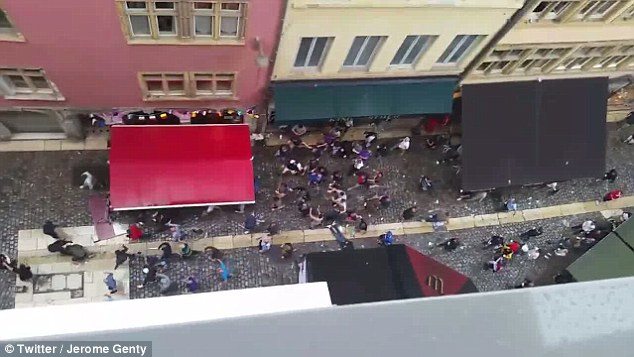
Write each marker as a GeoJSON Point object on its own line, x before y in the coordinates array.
{"type": "Point", "coordinates": [292, 177]}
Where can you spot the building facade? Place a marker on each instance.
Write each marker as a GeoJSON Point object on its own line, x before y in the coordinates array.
{"type": "Point", "coordinates": [337, 52]}
{"type": "Point", "coordinates": [562, 39]}
{"type": "Point", "coordinates": [64, 57]}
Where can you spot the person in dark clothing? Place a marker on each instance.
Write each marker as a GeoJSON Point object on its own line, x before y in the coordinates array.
{"type": "Point", "coordinates": [337, 176]}
{"type": "Point", "coordinates": [215, 252]}
{"type": "Point", "coordinates": [121, 255]}
{"type": "Point", "coordinates": [166, 248]}
{"type": "Point", "coordinates": [23, 272]}
{"type": "Point", "coordinates": [610, 176]}
{"type": "Point", "coordinates": [77, 251]}
{"type": "Point", "coordinates": [409, 213]}
{"type": "Point", "coordinates": [385, 201]}
{"type": "Point", "coordinates": [533, 232]}
{"type": "Point", "coordinates": [250, 222]}
{"type": "Point", "coordinates": [494, 241]}
{"type": "Point", "coordinates": [273, 228]}
{"type": "Point", "coordinates": [49, 229]}
{"type": "Point", "coordinates": [303, 208]}
{"type": "Point", "coordinates": [362, 226]}
{"type": "Point", "coordinates": [450, 244]}
{"type": "Point", "coordinates": [58, 246]}
{"type": "Point", "coordinates": [382, 150]}
{"type": "Point", "coordinates": [527, 283]}
{"type": "Point", "coordinates": [564, 277]}
{"type": "Point", "coordinates": [150, 275]}
{"type": "Point", "coordinates": [425, 183]}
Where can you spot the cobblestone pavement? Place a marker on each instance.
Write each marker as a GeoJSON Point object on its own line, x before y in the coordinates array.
{"type": "Point", "coordinates": [39, 186]}
{"type": "Point", "coordinates": [250, 268]}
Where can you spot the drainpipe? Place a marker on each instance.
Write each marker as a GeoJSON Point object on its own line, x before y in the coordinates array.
{"type": "Point", "coordinates": [510, 23]}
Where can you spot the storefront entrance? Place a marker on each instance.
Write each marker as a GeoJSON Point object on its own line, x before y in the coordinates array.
{"type": "Point", "coordinates": [28, 125]}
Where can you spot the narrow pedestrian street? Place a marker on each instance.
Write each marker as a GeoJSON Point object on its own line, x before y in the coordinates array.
{"type": "Point", "coordinates": [36, 186]}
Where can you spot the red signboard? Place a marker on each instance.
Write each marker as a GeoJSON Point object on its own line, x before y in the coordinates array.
{"type": "Point", "coordinates": [180, 166]}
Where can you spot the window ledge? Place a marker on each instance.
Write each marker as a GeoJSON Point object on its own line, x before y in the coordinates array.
{"type": "Point", "coordinates": [14, 37]}
{"type": "Point", "coordinates": [190, 99]}
{"type": "Point", "coordinates": [49, 97]}
{"type": "Point", "coordinates": [186, 42]}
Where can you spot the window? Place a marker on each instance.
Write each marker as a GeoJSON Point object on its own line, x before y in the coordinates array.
{"type": "Point", "coordinates": [628, 14]}
{"type": "Point", "coordinates": [184, 19]}
{"type": "Point", "coordinates": [187, 85]}
{"type": "Point", "coordinates": [312, 51]}
{"type": "Point", "coordinates": [459, 48]}
{"type": "Point", "coordinates": [549, 10]}
{"type": "Point", "coordinates": [28, 84]}
{"type": "Point", "coordinates": [5, 25]}
{"type": "Point", "coordinates": [500, 60]}
{"type": "Point", "coordinates": [411, 49]}
{"type": "Point", "coordinates": [362, 51]}
{"type": "Point", "coordinates": [596, 10]}
{"type": "Point", "coordinates": [7, 31]}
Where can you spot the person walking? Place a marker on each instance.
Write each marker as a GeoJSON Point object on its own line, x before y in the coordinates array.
{"type": "Point", "coordinates": [187, 252]}
{"type": "Point", "coordinates": [223, 270]}
{"type": "Point", "coordinates": [121, 255]}
{"type": "Point", "coordinates": [165, 284]}
{"type": "Point", "coordinates": [533, 232]}
{"type": "Point", "coordinates": [386, 239]}
{"type": "Point", "coordinates": [23, 272]}
{"type": "Point", "coordinates": [150, 273]}
{"type": "Point", "coordinates": [191, 284]}
{"type": "Point", "coordinates": [610, 176]}
{"type": "Point", "coordinates": [450, 244]}
{"type": "Point", "coordinates": [166, 248]}
{"type": "Point", "coordinates": [135, 232]}
{"type": "Point", "coordinates": [287, 250]}
{"type": "Point", "coordinates": [362, 226]}
{"type": "Point", "coordinates": [511, 205]}
{"type": "Point", "coordinates": [251, 222]}
{"type": "Point", "coordinates": [613, 195]}
{"type": "Point", "coordinates": [177, 232]}
{"type": "Point", "coordinates": [49, 229]}
{"type": "Point", "coordinates": [403, 145]}
{"type": "Point", "coordinates": [316, 217]}
{"type": "Point", "coordinates": [425, 183]}
{"type": "Point", "coordinates": [410, 213]}
{"type": "Point", "coordinates": [111, 285]}
{"type": "Point", "coordinates": [264, 245]}
{"type": "Point", "coordinates": [282, 190]}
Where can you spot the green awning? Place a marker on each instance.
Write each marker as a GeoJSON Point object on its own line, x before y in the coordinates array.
{"type": "Point", "coordinates": [610, 258]}
{"type": "Point", "coordinates": [314, 100]}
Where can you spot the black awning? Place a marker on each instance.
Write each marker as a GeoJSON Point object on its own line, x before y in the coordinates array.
{"type": "Point", "coordinates": [517, 133]}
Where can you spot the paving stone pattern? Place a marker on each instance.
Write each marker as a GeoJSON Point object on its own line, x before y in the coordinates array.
{"type": "Point", "coordinates": [35, 186]}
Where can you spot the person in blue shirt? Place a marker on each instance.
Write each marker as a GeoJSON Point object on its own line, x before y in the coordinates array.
{"type": "Point", "coordinates": [386, 239]}
{"type": "Point", "coordinates": [223, 270]}
{"type": "Point", "coordinates": [111, 284]}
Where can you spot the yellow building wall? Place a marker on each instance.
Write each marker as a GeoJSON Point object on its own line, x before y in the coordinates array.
{"type": "Point", "coordinates": [569, 32]}
{"type": "Point", "coordinates": [394, 19]}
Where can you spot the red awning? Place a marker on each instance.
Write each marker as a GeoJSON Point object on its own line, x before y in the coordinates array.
{"type": "Point", "coordinates": [158, 166]}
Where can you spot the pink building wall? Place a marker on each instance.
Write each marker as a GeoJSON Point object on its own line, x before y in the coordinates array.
{"type": "Point", "coordinates": [81, 47]}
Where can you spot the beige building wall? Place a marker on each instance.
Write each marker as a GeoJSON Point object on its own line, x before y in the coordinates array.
{"type": "Point", "coordinates": [560, 39]}
{"type": "Point", "coordinates": [342, 20]}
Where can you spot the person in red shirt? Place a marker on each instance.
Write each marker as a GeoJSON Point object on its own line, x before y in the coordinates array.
{"type": "Point", "coordinates": [612, 195]}
{"type": "Point", "coordinates": [514, 246]}
{"type": "Point", "coordinates": [135, 232]}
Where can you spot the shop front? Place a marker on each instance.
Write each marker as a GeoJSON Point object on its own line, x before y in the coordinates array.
{"type": "Point", "coordinates": [30, 125]}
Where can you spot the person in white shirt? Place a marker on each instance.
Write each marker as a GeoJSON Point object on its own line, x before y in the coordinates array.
{"type": "Point", "coordinates": [403, 145]}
